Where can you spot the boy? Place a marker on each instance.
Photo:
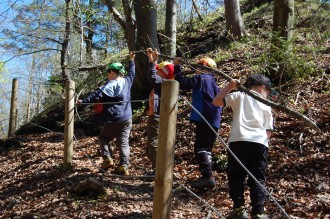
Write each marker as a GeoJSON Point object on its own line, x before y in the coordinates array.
{"type": "Point", "coordinates": [156, 74]}
{"type": "Point", "coordinates": [248, 140]}
{"type": "Point", "coordinates": [115, 117]}
{"type": "Point", "coordinates": [204, 89]}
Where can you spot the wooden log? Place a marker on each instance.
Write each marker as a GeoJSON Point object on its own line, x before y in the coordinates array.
{"type": "Point", "coordinates": [90, 185]}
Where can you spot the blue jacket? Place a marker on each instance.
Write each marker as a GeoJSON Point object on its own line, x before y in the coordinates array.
{"type": "Point", "coordinates": [114, 91]}
{"type": "Point", "coordinates": [204, 89]}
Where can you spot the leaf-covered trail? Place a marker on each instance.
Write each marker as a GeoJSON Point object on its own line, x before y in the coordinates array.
{"type": "Point", "coordinates": [34, 184]}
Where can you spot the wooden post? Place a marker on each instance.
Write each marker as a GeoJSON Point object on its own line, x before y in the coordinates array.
{"type": "Point", "coordinates": [69, 122]}
{"type": "Point", "coordinates": [165, 152]}
{"type": "Point", "coordinates": [13, 109]}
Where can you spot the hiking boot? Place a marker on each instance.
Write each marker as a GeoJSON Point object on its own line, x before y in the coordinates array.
{"type": "Point", "coordinates": [203, 183]}
{"type": "Point", "coordinates": [107, 163]}
{"type": "Point", "coordinates": [260, 216]}
{"type": "Point", "coordinates": [121, 170]}
{"type": "Point", "coordinates": [238, 213]}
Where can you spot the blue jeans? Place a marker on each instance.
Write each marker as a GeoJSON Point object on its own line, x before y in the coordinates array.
{"type": "Point", "coordinates": [120, 131]}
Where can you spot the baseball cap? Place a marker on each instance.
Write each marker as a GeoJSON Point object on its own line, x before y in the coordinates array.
{"type": "Point", "coordinates": [258, 79]}
{"type": "Point", "coordinates": [117, 66]}
{"type": "Point", "coordinates": [166, 68]}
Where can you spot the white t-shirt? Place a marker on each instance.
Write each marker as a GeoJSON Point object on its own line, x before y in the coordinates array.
{"type": "Point", "coordinates": [251, 118]}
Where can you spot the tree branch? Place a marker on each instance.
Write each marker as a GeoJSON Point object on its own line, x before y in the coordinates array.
{"type": "Point", "coordinates": [280, 107]}
{"type": "Point", "coordinates": [118, 17]}
{"type": "Point", "coordinates": [29, 53]}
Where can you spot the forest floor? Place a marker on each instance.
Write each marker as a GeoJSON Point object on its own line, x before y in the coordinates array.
{"type": "Point", "coordinates": [34, 183]}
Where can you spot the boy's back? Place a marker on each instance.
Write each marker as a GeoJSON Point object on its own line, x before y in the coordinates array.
{"type": "Point", "coordinates": [251, 118]}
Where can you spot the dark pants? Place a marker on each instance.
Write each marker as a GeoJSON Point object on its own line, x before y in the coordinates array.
{"type": "Point", "coordinates": [120, 131]}
{"type": "Point", "coordinates": [204, 142]}
{"type": "Point", "coordinates": [254, 157]}
{"type": "Point", "coordinates": [152, 138]}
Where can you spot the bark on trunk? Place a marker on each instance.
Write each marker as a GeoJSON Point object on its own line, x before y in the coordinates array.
{"type": "Point", "coordinates": [170, 28]}
{"type": "Point", "coordinates": [234, 22]}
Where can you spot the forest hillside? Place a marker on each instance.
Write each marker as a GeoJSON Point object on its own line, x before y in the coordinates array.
{"type": "Point", "coordinates": [35, 184]}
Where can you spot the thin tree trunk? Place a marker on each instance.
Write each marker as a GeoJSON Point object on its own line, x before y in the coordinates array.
{"type": "Point", "coordinates": [197, 10]}
{"type": "Point", "coordinates": [234, 22]}
{"type": "Point", "coordinates": [65, 43]}
{"type": "Point", "coordinates": [170, 27]}
{"type": "Point", "coordinates": [283, 19]}
{"type": "Point", "coordinates": [282, 34]}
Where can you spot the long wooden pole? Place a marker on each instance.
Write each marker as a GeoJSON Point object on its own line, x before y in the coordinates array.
{"type": "Point", "coordinates": [165, 151]}
{"type": "Point", "coordinates": [277, 106]}
{"type": "Point", "coordinates": [69, 123]}
{"type": "Point", "coordinates": [13, 109]}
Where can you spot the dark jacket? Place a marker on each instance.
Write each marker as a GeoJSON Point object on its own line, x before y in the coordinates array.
{"type": "Point", "coordinates": [114, 112]}
{"type": "Point", "coordinates": [204, 89]}
{"type": "Point", "coordinates": [156, 81]}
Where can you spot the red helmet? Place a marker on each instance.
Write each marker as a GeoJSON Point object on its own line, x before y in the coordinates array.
{"type": "Point", "coordinates": [166, 68]}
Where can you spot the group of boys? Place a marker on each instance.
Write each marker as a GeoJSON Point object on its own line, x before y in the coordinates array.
{"type": "Point", "coordinates": [248, 141]}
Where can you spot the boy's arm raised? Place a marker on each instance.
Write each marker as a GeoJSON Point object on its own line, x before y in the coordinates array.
{"type": "Point", "coordinates": [219, 98]}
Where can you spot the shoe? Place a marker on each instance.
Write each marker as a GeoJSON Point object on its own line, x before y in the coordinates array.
{"type": "Point", "coordinates": [107, 163]}
{"type": "Point", "coordinates": [203, 183]}
{"type": "Point", "coordinates": [260, 216]}
{"type": "Point", "coordinates": [238, 213]}
{"type": "Point", "coordinates": [121, 170]}
{"type": "Point", "coordinates": [150, 175]}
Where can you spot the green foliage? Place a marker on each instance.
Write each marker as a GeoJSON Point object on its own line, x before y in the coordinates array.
{"type": "Point", "coordinates": [54, 84]}
{"type": "Point", "coordinates": [292, 60]}
{"type": "Point", "coordinates": [140, 110]}
{"type": "Point", "coordinates": [220, 56]}
{"type": "Point", "coordinates": [297, 58]}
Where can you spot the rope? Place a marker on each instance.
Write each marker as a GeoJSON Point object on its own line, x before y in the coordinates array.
{"type": "Point", "coordinates": [218, 137]}
{"type": "Point", "coordinates": [91, 160]}
{"type": "Point", "coordinates": [199, 198]}
{"type": "Point", "coordinates": [133, 177]}
{"type": "Point", "coordinates": [132, 101]}
{"type": "Point", "coordinates": [240, 163]}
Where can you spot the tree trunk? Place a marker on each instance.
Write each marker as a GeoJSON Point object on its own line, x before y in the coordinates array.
{"type": "Point", "coordinates": [170, 28]}
{"type": "Point", "coordinates": [65, 43]}
{"type": "Point", "coordinates": [130, 26]}
{"type": "Point", "coordinates": [146, 36]}
{"type": "Point", "coordinates": [139, 36]}
{"type": "Point", "coordinates": [234, 23]}
{"type": "Point", "coordinates": [90, 35]}
{"type": "Point", "coordinates": [197, 10]}
{"type": "Point", "coordinates": [283, 19]}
